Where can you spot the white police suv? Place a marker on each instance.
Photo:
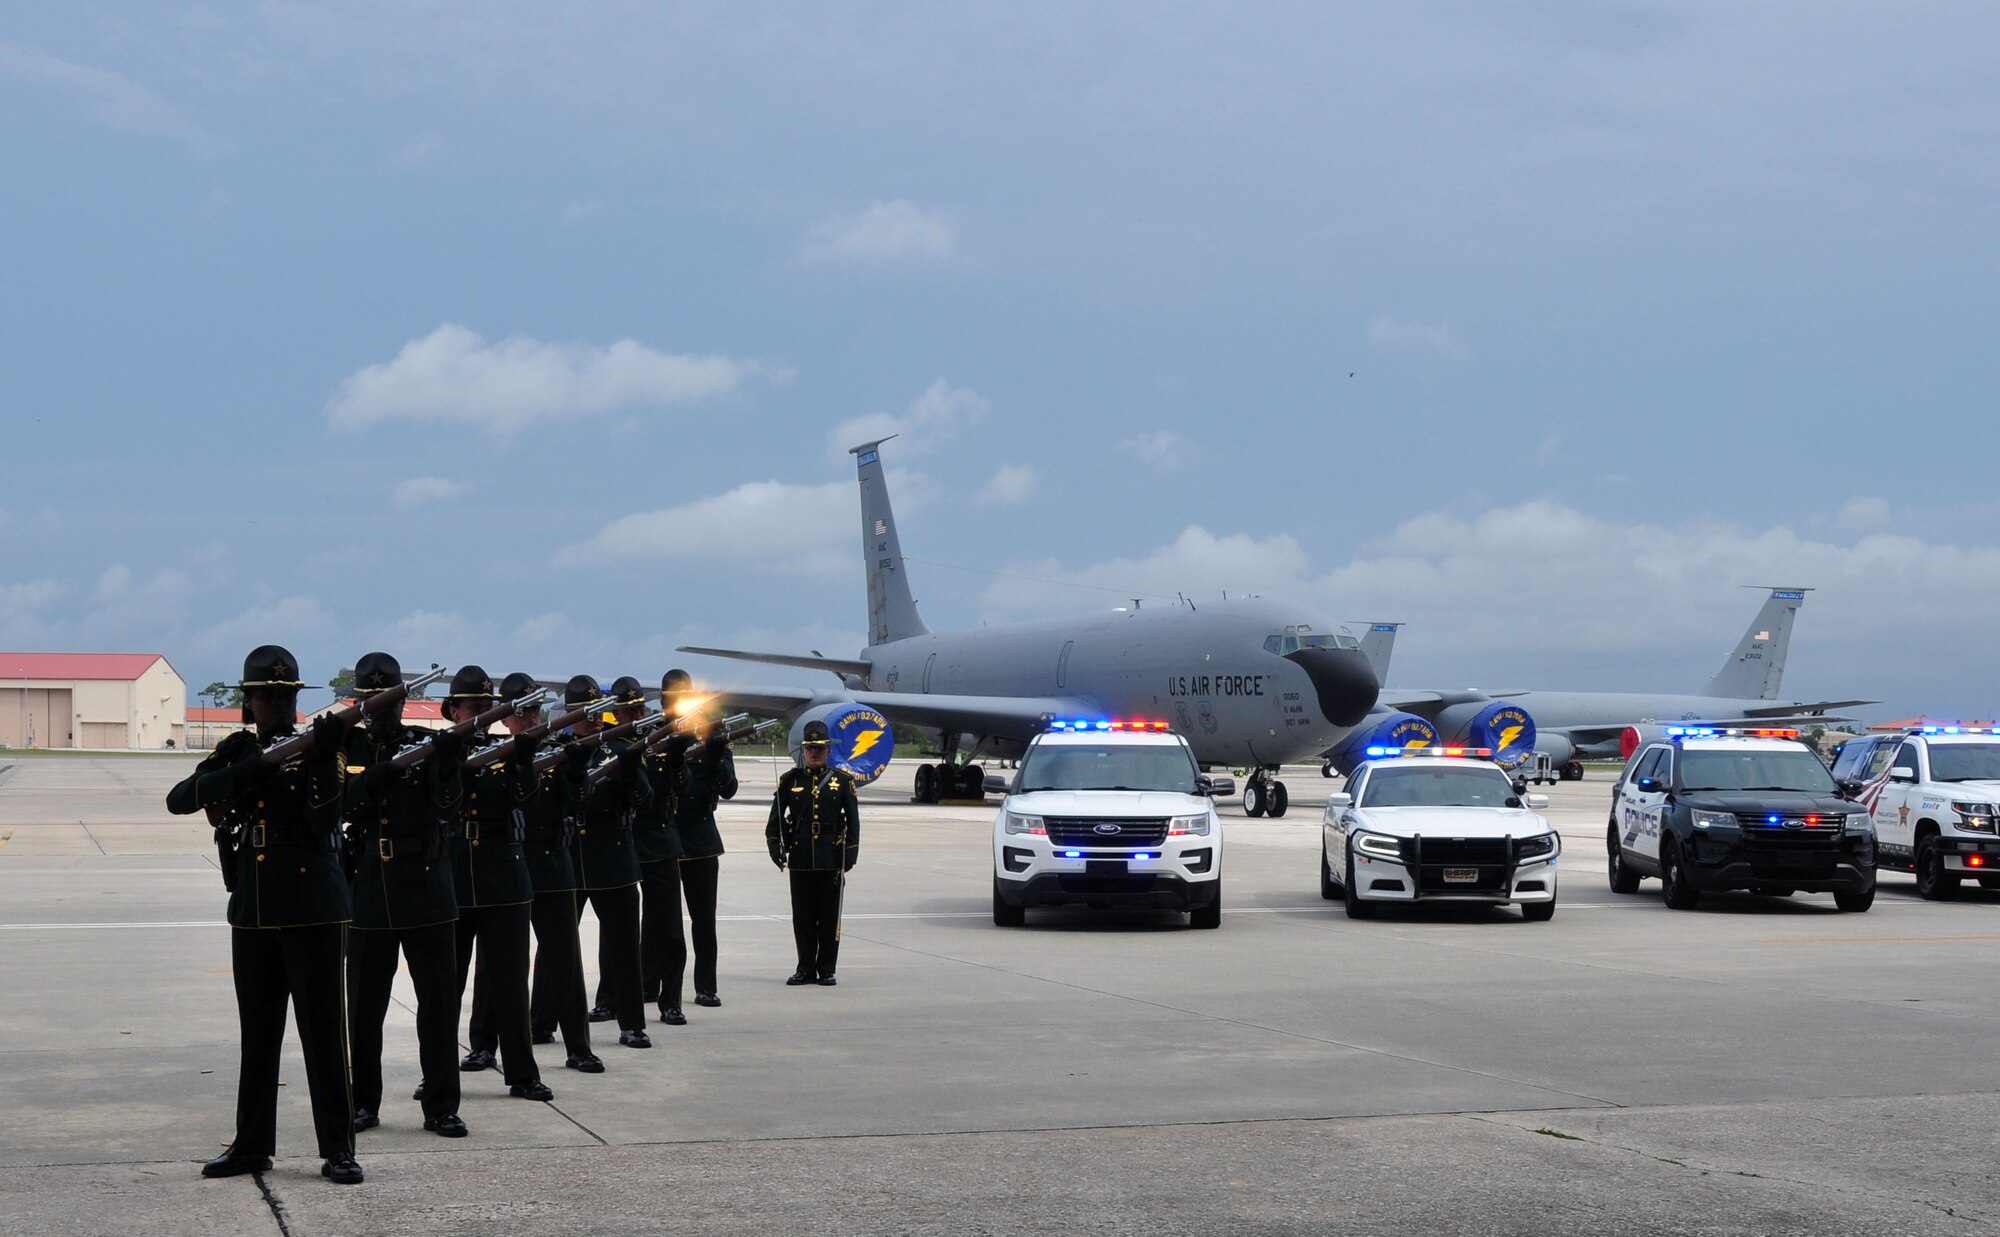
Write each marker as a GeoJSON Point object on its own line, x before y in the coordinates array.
{"type": "Point", "coordinates": [1436, 824]}
{"type": "Point", "coordinates": [1933, 795]}
{"type": "Point", "coordinates": [1109, 814]}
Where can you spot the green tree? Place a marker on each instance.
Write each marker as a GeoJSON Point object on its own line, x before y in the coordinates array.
{"type": "Point", "coordinates": [222, 695]}
{"type": "Point", "coordinates": [343, 679]}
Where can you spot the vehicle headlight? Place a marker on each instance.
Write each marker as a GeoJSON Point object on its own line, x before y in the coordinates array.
{"type": "Point", "coordinates": [1016, 823]}
{"type": "Point", "coordinates": [1379, 845]}
{"type": "Point", "coordinates": [1183, 826]}
{"type": "Point", "coordinates": [1974, 817]}
{"type": "Point", "coordinates": [1857, 822]}
{"type": "Point", "coordinates": [1711, 820]}
{"type": "Point", "coordinates": [1536, 847]}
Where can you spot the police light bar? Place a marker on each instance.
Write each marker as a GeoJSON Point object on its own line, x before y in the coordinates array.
{"type": "Point", "coordinates": [1083, 725]}
{"type": "Point", "coordinates": [1741, 732]}
{"type": "Point", "coordinates": [1380, 753]}
{"type": "Point", "coordinates": [1951, 730]}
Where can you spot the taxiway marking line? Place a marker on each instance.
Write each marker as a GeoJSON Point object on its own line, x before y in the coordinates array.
{"type": "Point", "coordinates": [1867, 940]}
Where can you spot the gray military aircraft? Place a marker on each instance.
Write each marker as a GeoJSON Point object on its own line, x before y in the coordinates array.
{"type": "Point", "coordinates": [1249, 682]}
{"type": "Point", "coordinates": [1568, 726]}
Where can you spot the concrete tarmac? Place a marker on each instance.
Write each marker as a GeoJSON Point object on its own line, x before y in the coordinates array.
{"type": "Point", "coordinates": [1758, 1066]}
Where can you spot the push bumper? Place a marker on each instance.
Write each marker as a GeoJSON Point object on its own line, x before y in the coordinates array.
{"type": "Point", "coordinates": [1386, 880]}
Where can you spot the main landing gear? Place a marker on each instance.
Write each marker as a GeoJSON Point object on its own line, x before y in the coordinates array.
{"type": "Point", "coordinates": [1264, 794]}
{"type": "Point", "coordinates": [950, 781]}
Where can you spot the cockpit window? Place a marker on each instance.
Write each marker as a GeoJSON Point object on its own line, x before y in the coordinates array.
{"type": "Point", "coordinates": [1305, 638]}
{"type": "Point", "coordinates": [1340, 640]}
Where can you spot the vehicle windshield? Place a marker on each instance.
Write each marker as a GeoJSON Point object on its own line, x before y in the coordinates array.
{"type": "Point", "coordinates": [1417, 786]}
{"type": "Point", "coordinates": [1108, 766]}
{"type": "Point", "coordinates": [1755, 769]}
{"type": "Point", "coordinates": [1965, 762]}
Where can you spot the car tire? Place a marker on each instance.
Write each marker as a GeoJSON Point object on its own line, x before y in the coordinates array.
{"type": "Point", "coordinates": [1855, 899]}
{"type": "Point", "coordinates": [1280, 800]}
{"type": "Point", "coordinates": [1328, 887]}
{"type": "Point", "coordinates": [1538, 912]}
{"type": "Point", "coordinates": [1005, 913]}
{"type": "Point", "coordinates": [1253, 799]}
{"type": "Point", "coordinates": [1209, 916]}
{"type": "Point", "coordinates": [1357, 907]}
{"type": "Point", "coordinates": [1934, 882]}
{"type": "Point", "coordinates": [1674, 886]}
{"type": "Point", "coordinates": [1623, 879]}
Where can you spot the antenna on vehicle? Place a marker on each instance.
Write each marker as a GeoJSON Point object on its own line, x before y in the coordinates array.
{"type": "Point", "coordinates": [1135, 603]}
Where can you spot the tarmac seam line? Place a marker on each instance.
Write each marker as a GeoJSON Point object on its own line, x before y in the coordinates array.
{"type": "Point", "coordinates": [271, 1201]}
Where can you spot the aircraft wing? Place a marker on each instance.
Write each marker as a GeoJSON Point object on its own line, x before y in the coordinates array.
{"type": "Point", "coordinates": [1423, 704]}
{"type": "Point", "coordinates": [834, 665]}
{"type": "Point", "coordinates": [1793, 711]}
{"type": "Point", "coordinates": [1017, 717]}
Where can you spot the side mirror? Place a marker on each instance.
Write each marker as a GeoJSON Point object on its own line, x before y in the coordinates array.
{"type": "Point", "coordinates": [1848, 787]}
{"type": "Point", "coordinates": [1512, 801]}
{"type": "Point", "coordinates": [1902, 773]}
{"type": "Point", "coordinates": [1520, 785]}
{"type": "Point", "coordinates": [1538, 802]}
{"type": "Point", "coordinates": [1215, 787]}
{"type": "Point", "coordinates": [999, 784]}
{"type": "Point", "coordinates": [1340, 798]}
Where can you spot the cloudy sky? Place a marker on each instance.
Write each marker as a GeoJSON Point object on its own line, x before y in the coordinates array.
{"type": "Point", "coordinates": [534, 335]}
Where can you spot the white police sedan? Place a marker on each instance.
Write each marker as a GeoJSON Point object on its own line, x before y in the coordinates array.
{"type": "Point", "coordinates": [1437, 824]}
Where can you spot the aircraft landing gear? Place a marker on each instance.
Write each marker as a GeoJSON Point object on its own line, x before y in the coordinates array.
{"type": "Point", "coordinates": [1326, 768]}
{"type": "Point", "coordinates": [1265, 795]}
{"type": "Point", "coordinates": [948, 779]}
{"type": "Point", "coordinates": [1572, 771]}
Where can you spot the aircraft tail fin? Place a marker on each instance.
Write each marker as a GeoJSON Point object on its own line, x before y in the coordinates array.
{"type": "Point", "coordinates": [1377, 645]}
{"type": "Point", "coordinates": [1757, 667]}
{"type": "Point", "coordinates": [892, 612]}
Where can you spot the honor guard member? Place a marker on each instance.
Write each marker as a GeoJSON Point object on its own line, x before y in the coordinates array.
{"type": "Point", "coordinates": [815, 830]}
{"type": "Point", "coordinates": [557, 1000]}
{"type": "Point", "coordinates": [278, 830]}
{"type": "Point", "coordinates": [662, 941]}
{"type": "Point", "coordinates": [489, 870]}
{"type": "Point", "coordinates": [398, 826]}
{"type": "Point", "coordinates": [706, 772]}
{"type": "Point", "coordinates": [607, 865]}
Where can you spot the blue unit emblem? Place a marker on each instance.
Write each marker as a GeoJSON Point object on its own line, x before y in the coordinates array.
{"type": "Point", "coordinates": [862, 741]}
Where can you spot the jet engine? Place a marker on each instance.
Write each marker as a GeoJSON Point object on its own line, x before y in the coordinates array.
{"type": "Point", "coordinates": [862, 738]}
{"type": "Point", "coordinates": [1500, 725]}
{"type": "Point", "coordinates": [1636, 737]}
{"type": "Point", "coordinates": [1558, 748]}
{"type": "Point", "coordinates": [1381, 728]}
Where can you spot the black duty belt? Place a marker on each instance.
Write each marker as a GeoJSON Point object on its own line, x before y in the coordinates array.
{"type": "Point", "coordinates": [262, 837]}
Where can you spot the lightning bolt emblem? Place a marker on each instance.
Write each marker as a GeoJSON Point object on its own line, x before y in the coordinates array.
{"type": "Point", "coordinates": [862, 742]}
{"type": "Point", "coordinates": [1507, 736]}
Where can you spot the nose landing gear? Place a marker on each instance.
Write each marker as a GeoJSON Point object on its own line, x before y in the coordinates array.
{"type": "Point", "coordinates": [1264, 794]}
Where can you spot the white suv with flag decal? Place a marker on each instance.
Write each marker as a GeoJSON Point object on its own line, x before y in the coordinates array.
{"type": "Point", "coordinates": [1935, 803]}
{"type": "Point", "coordinates": [1109, 814]}
{"type": "Point", "coordinates": [1437, 824]}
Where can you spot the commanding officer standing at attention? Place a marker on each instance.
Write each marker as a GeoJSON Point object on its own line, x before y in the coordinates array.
{"type": "Point", "coordinates": [607, 865]}
{"type": "Point", "coordinates": [815, 830]}
{"type": "Point", "coordinates": [490, 876]}
{"type": "Point", "coordinates": [707, 772]}
{"type": "Point", "coordinates": [279, 828]}
{"type": "Point", "coordinates": [398, 825]}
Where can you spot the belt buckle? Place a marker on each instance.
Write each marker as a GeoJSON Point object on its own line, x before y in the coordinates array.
{"type": "Point", "coordinates": [472, 831]}
{"type": "Point", "coordinates": [257, 836]}
{"type": "Point", "coordinates": [385, 848]}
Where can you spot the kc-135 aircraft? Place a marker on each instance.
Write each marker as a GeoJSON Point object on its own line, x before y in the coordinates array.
{"type": "Point", "coordinates": [1249, 682]}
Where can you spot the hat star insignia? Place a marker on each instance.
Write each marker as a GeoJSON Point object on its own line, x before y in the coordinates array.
{"type": "Point", "coordinates": [281, 670]}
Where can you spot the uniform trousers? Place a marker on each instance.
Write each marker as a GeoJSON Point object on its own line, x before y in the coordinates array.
{"type": "Point", "coordinates": [302, 964]}
{"type": "Point", "coordinates": [618, 952]}
{"type": "Point", "coordinates": [432, 953]}
{"type": "Point", "coordinates": [501, 934]}
{"type": "Point", "coordinates": [558, 991]}
{"type": "Point", "coordinates": [816, 920]}
{"type": "Point", "coordinates": [698, 878]}
{"type": "Point", "coordinates": [662, 943]}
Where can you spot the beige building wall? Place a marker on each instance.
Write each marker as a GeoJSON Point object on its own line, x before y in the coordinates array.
{"type": "Point", "coordinates": [141, 713]}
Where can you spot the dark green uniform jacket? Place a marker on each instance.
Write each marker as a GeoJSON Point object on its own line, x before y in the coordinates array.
{"type": "Point", "coordinates": [399, 842]}
{"type": "Point", "coordinates": [285, 856]}
{"type": "Point", "coordinates": [489, 863]}
{"type": "Point", "coordinates": [604, 853]}
{"type": "Point", "coordinates": [708, 773]}
{"type": "Point", "coordinates": [815, 823]}
{"type": "Point", "coordinates": [653, 830]}
{"type": "Point", "coordinates": [552, 822]}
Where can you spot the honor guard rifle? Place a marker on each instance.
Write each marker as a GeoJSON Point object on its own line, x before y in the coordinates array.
{"type": "Point", "coordinates": [549, 759]}
{"type": "Point", "coordinates": [420, 752]}
{"type": "Point", "coordinates": [500, 750]}
{"type": "Point", "coordinates": [658, 737]}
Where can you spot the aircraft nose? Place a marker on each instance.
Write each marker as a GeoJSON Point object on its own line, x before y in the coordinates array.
{"type": "Point", "coordinates": [1343, 680]}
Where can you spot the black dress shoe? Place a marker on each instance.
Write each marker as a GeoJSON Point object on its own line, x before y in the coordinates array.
{"type": "Point", "coordinates": [544, 1037]}
{"type": "Point", "coordinates": [672, 1016]}
{"type": "Point", "coordinates": [233, 1163]}
{"type": "Point", "coordinates": [536, 1090]}
{"type": "Point", "coordinates": [418, 1094]}
{"type": "Point", "coordinates": [707, 1000]}
{"type": "Point", "coordinates": [827, 981]}
{"type": "Point", "coordinates": [634, 1039]}
{"type": "Point", "coordinates": [365, 1119]}
{"type": "Point", "coordinates": [341, 1170]}
{"type": "Point", "coordinates": [588, 1063]}
{"type": "Point", "coordinates": [476, 1060]}
{"type": "Point", "coordinates": [800, 977]}
{"type": "Point", "coordinates": [447, 1126]}
{"type": "Point", "coordinates": [600, 1014]}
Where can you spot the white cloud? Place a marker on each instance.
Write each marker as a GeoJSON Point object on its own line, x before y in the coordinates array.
{"type": "Point", "coordinates": [453, 374]}
{"type": "Point", "coordinates": [115, 580]}
{"type": "Point", "coordinates": [24, 621]}
{"type": "Point", "coordinates": [1416, 337]}
{"type": "Point", "coordinates": [116, 100]}
{"type": "Point", "coordinates": [933, 416]}
{"type": "Point", "coordinates": [771, 524]}
{"type": "Point", "coordinates": [420, 149]}
{"type": "Point", "coordinates": [1012, 484]}
{"type": "Point", "coordinates": [1163, 449]}
{"type": "Point", "coordinates": [1862, 514]}
{"type": "Point", "coordinates": [420, 490]}
{"type": "Point", "coordinates": [886, 232]}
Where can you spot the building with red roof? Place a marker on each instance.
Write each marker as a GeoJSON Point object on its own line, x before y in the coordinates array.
{"type": "Point", "coordinates": [91, 700]}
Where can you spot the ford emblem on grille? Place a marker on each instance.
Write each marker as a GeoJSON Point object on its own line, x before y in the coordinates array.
{"type": "Point", "coordinates": [1108, 829]}
{"type": "Point", "coordinates": [1794, 823]}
